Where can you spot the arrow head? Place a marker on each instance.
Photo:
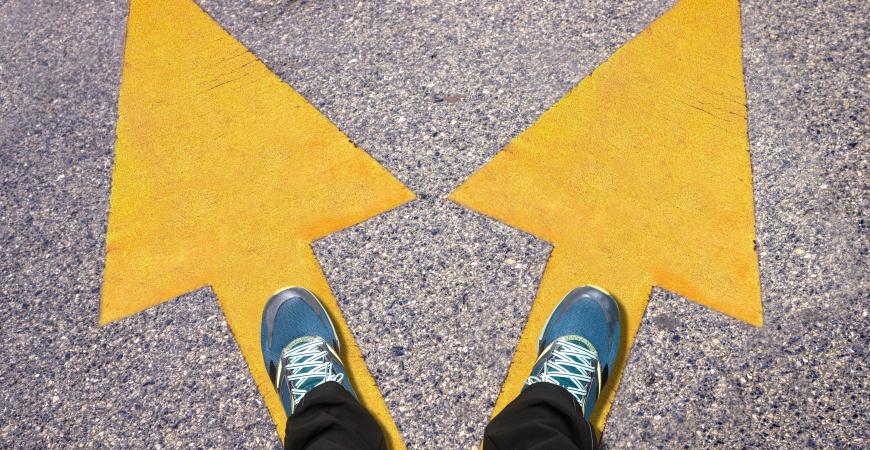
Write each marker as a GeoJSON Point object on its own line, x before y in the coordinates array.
{"type": "Point", "coordinates": [218, 162]}
{"type": "Point", "coordinates": [645, 166]}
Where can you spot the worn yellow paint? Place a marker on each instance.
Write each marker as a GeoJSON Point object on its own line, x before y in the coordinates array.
{"type": "Point", "coordinates": [223, 176]}
{"type": "Point", "coordinates": [639, 177]}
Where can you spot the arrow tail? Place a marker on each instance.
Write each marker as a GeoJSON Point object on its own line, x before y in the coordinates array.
{"type": "Point", "coordinates": [243, 292]}
{"type": "Point", "coordinates": [566, 270]}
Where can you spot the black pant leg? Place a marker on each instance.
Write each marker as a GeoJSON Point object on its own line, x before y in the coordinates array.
{"type": "Point", "coordinates": [329, 417]}
{"type": "Point", "coordinates": [543, 416]}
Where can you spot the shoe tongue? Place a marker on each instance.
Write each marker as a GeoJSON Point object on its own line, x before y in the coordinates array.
{"type": "Point", "coordinates": [580, 340]}
{"type": "Point", "coordinates": [302, 340]}
{"type": "Point", "coordinates": [314, 381]}
{"type": "Point", "coordinates": [594, 385]}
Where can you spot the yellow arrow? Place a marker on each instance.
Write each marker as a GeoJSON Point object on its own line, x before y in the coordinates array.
{"type": "Point", "coordinates": [223, 176]}
{"type": "Point", "coordinates": [639, 177]}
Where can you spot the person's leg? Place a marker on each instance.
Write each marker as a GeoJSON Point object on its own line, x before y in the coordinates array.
{"type": "Point", "coordinates": [577, 350]}
{"type": "Point", "coordinates": [301, 354]}
{"type": "Point", "coordinates": [543, 416]}
{"type": "Point", "coordinates": [330, 417]}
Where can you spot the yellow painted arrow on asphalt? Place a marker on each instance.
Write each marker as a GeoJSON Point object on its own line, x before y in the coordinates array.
{"type": "Point", "coordinates": [639, 177]}
{"type": "Point", "coordinates": [223, 176]}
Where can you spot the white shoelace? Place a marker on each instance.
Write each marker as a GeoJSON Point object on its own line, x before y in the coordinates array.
{"type": "Point", "coordinates": [572, 362]}
{"type": "Point", "coordinates": [305, 362]}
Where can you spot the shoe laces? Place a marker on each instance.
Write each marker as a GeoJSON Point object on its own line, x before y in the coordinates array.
{"type": "Point", "coordinates": [570, 365]}
{"type": "Point", "coordinates": [308, 365]}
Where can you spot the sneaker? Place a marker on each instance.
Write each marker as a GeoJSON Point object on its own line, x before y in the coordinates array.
{"type": "Point", "coordinates": [579, 344]}
{"type": "Point", "coordinates": [300, 346]}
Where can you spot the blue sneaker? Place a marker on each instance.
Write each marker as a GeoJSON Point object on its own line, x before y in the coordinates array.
{"type": "Point", "coordinates": [579, 344]}
{"type": "Point", "coordinates": [300, 346]}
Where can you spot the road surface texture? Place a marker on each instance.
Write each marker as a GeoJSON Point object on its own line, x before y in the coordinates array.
{"type": "Point", "coordinates": [435, 294]}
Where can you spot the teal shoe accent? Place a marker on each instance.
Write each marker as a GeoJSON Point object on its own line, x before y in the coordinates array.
{"type": "Point", "coordinates": [579, 345]}
{"type": "Point", "coordinates": [300, 346]}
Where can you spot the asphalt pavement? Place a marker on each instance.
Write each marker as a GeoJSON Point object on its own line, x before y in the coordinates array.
{"type": "Point", "coordinates": [435, 294]}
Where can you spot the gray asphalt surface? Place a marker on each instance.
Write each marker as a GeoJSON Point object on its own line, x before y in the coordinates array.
{"type": "Point", "coordinates": [436, 295]}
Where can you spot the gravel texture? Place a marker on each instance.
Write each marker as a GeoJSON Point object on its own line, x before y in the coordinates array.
{"type": "Point", "coordinates": [436, 295]}
{"type": "Point", "coordinates": [698, 379]}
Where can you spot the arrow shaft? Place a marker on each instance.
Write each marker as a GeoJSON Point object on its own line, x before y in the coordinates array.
{"type": "Point", "coordinates": [243, 292]}
{"type": "Point", "coordinates": [566, 269]}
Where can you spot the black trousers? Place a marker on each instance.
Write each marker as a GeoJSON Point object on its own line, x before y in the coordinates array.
{"type": "Point", "coordinates": [544, 416]}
